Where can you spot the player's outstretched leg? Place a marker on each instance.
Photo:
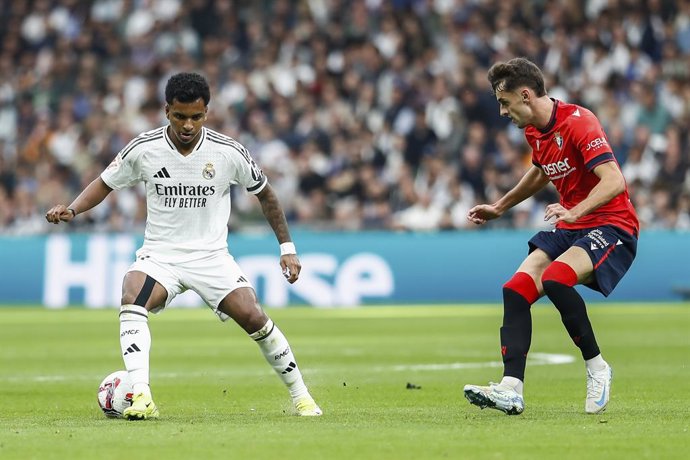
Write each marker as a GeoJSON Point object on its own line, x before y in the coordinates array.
{"type": "Point", "coordinates": [277, 352]}
{"type": "Point", "coordinates": [135, 343]}
{"type": "Point", "coordinates": [497, 396]}
{"type": "Point", "coordinates": [519, 293]}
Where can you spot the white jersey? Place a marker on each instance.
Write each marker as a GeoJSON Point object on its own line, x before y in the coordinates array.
{"type": "Point", "coordinates": [187, 197]}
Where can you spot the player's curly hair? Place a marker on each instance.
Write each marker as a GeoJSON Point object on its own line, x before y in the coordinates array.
{"type": "Point", "coordinates": [187, 87]}
{"type": "Point", "coordinates": [508, 76]}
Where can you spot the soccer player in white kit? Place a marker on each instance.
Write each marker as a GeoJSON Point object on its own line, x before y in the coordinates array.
{"type": "Point", "coordinates": [188, 170]}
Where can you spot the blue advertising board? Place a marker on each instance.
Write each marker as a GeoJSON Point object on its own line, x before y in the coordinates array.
{"type": "Point", "coordinates": [339, 269]}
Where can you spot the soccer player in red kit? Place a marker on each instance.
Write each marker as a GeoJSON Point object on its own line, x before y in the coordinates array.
{"type": "Point", "coordinates": [593, 243]}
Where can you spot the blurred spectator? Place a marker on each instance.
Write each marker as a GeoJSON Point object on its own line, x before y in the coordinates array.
{"type": "Point", "coordinates": [423, 215]}
{"type": "Point", "coordinates": [364, 114]}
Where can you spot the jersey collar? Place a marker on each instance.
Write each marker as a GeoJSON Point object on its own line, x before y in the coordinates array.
{"type": "Point", "coordinates": [552, 121]}
{"type": "Point", "coordinates": [201, 140]}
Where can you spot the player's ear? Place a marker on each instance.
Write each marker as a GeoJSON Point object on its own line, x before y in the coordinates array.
{"type": "Point", "coordinates": [167, 110]}
{"type": "Point", "coordinates": [525, 95]}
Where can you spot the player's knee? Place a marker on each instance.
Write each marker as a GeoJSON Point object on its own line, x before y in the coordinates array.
{"type": "Point", "coordinates": [558, 274]}
{"type": "Point", "coordinates": [248, 315]}
{"type": "Point", "coordinates": [128, 299]}
{"type": "Point", "coordinates": [133, 299]}
{"type": "Point", "coordinates": [251, 319]}
{"type": "Point", "coordinates": [143, 291]}
{"type": "Point", "coordinates": [522, 284]}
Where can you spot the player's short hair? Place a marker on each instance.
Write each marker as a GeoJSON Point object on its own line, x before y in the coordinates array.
{"type": "Point", "coordinates": [187, 87]}
{"type": "Point", "coordinates": [508, 76]}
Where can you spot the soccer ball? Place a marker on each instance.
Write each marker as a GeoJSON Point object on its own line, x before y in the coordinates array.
{"type": "Point", "coordinates": [115, 394]}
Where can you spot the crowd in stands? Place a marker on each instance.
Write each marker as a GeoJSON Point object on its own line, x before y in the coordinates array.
{"type": "Point", "coordinates": [364, 114]}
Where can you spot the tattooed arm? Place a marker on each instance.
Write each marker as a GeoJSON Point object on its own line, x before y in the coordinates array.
{"type": "Point", "coordinates": [275, 216]}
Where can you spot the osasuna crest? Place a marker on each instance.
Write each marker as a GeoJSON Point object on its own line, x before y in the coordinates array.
{"type": "Point", "coordinates": [559, 139]}
{"type": "Point", "coordinates": [208, 172]}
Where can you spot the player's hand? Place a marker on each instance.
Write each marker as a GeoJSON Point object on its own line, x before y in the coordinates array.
{"type": "Point", "coordinates": [291, 267]}
{"type": "Point", "coordinates": [560, 213]}
{"type": "Point", "coordinates": [59, 213]}
{"type": "Point", "coordinates": [482, 213]}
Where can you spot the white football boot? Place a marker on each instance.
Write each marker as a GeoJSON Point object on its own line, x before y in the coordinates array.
{"type": "Point", "coordinates": [598, 390]}
{"type": "Point", "coordinates": [496, 396]}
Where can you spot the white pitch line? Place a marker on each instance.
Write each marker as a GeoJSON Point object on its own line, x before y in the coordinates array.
{"type": "Point", "coordinates": [535, 359]}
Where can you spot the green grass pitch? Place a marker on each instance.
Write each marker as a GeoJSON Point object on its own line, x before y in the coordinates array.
{"type": "Point", "coordinates": [219, 399]}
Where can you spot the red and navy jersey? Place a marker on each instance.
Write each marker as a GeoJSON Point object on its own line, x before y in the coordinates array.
{"type": "Point", "coordinates": [567, 150]}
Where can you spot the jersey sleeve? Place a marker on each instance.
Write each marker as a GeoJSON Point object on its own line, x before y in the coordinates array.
{"type": "Point", "coordinates": [591, 141]}
{"type": "Point", "coordinates": [125, 169]}
{"type": "Point", "coordinates": [247, 172]}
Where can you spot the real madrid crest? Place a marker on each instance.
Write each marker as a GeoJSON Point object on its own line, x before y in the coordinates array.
{"type": "Point", "coordinates": [559, 139]}
{"type": "Point", "coordinates": [208, 172]}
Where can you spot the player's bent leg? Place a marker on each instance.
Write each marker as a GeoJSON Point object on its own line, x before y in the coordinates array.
{"type": "Point", "coordinates": [277, 351]}
{"type": "Point", "coordinates": [495, 396]}
{"type": "Point", "coordinates": [242, 306]}
{"type": "Point", "coordinates": [140, 293]}
{"type": "Point", "coordinates": [519, 293]}
{"type": "Point", "coordinates": [135, 342]}
{"type": "Point", "coordinates": [135, 345]}
{"type": "Point", "coordinates": [559, 280]}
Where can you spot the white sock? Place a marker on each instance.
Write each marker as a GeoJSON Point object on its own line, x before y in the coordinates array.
{"type": "Point", "coordinates": [135, 343]}
{"type": "Point", "coordinates": [513, 382]}
{"type": "Point", "coordinates": [277, 352]}
{"type": "Point", "coordinates": [596, 364]}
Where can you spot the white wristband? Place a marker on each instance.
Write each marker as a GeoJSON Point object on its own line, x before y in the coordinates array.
{"type": "Point", "coordinates": [287, 248]}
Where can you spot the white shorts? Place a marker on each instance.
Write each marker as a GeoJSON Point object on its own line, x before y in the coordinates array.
{"type": "Point", "coordinates": [212, 277]}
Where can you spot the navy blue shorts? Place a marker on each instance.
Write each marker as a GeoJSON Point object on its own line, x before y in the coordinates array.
{"type": "Point", "coordinates": [611, 250]}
